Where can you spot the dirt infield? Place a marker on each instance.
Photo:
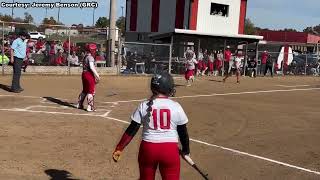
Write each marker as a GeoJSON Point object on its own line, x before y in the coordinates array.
{"type": "Point", "coordinates": [263, 128]}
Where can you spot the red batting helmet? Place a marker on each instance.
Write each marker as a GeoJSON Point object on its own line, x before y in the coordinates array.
{"type": "Point", "coordinates": [92, 48]}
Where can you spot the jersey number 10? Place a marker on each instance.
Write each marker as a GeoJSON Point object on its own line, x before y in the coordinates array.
{"type": "Point", "coordinates": [165, 118]}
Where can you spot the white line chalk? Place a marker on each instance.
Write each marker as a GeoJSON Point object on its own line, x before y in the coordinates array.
{"type": "Point", "coordinates": [223, 94]}
{"type": "Point", "coordinates": [293, 86]}
{"type": "Point", "coordinates": [191, 139]}
{"type": "Point", "coordinates": [257, 157]}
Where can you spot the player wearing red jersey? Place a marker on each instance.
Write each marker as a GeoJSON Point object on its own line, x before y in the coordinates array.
{"type": "Point", "coordinates": [90, 77]}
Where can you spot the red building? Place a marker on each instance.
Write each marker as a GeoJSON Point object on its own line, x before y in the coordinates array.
{"type": "Point", "coordinates": [290, 37]}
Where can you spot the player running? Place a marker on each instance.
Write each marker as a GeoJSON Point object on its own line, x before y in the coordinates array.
{"type": "Point", "coordinates": [237, 64]}
{"type": "Point", "coordinates": [200, 62]}
{"type": "Point", "coordinates": [90, 78]}
{"type": "Point", "coordinates": [190, 67]}
{"type": "Point", "coordinates": [164, 121]}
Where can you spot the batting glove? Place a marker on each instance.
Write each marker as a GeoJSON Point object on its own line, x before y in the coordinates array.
{"type": "Point", "coordinates": [116, 155]}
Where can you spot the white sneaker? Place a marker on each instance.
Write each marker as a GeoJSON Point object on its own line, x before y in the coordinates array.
{"type": "Point", "coordinates": [91, 109]}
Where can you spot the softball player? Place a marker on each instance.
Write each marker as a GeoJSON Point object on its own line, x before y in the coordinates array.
{"type": "Point", "coordinates": [190, 67]}
{"type": "Point", "coordinates": [200, 62]}
{"type": "Point", "coordinates": [218, 63]}
{"type": "Point", "coordinates": [227, 59]}
{"type": "Point", "coordinates": [89, 79]}
{"type": "Point", "coordinates": [164, 122]}
{"type": "Point", "coordinates": [210, 62]}
{"type": "Point", "coordinates": [237, 64]}
{"type": "Point", "coordinates": [205, 62]}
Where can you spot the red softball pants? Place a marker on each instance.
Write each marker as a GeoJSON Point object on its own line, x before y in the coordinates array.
{"type": "Point", "coordinates": [164, 155]}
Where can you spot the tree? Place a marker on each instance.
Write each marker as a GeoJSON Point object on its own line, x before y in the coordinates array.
{"type": "Point", "coordinates": [47, 22]}
{"type": "Point", "coordinates": [121, 24]}
{"type": "Point", "coordinates": [18, 19]}
{"type": "Point", "coordinates": [249, 27]}
{"type": "Point", "coordinates": [312, 30]}
{"type": "Point", "coordinates": [6, 18]}
{"type": "Point", "coordinates": [102, 22]}
{"type": "Point", "coordinates": [289, 30]}
{"type": "Point", "coordinates": [28, 18]}
{"type": "Point", "coordinates": [80, 26]}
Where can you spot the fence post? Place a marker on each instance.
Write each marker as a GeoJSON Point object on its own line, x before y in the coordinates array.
{"type": "Point", "coordinates": [2, 49]}
{"type": "Point", "coordinates": [318, 50]}
{"type": "Point", "coordinates": [257, 56]}
{"type": "Point", "coordinates": [69, 48]}
{"type": "Point", "coordinates": [224, 49]}
{"type": "Point", "coordinates": [119, 53]}
{"type": "Point", "coordinates": [170, 54]}
{"type": "Point", "coordinates": [282, 64]}
{"type": "Point", "coordinates": [305, 65]}
{"type": "Point", "coordinates": [245, 59]}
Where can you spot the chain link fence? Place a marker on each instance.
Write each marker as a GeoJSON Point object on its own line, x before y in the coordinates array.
{"type": "Point", "coordinates": [288, 64]}
{"type": "Point", "coordinates": [58, 49]}
{"type": "Point", "coordinates": [146, 58]}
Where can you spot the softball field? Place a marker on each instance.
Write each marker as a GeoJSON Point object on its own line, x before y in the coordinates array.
{"type": "Point", "coordinates": [261, 129]}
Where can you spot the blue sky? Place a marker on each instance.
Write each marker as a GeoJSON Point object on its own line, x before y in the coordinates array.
{"type": "Point", "coordinates": [67, 15]}
{"type": "Point", "coordinates": [279, 14]}
{"type": "Point", "coordinates": [273, 14]}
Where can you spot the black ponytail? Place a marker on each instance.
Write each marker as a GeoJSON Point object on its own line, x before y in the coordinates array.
{"type": "Point", "coordinates": [149, 104]}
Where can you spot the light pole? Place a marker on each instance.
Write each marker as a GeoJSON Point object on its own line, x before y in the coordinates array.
{"type": "Point", "coordinates": [46, 13]}
{"type": "Point", "coordinates": [94, 9]}
{"type": "Point", "coordinates": [122, 11]}
{"type": "Point", "coordinates": [59, 13]}
{"type": "Point", "coordinates": [112, 31]}
{"type": "Point", "coordinates": [12, 15]}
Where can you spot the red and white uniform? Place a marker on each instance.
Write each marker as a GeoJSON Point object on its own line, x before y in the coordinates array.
{"type": "Point", "coordinates": [210, 62]}
{"type": "Point", "coordinates": [200, 61]}
{"type": "Point", "coordinates": [88, 77]}
{"type": "Point", "coordinates": [160, 138]}
{"type": "Point", "coordinates": [237, 62]}
{"type": "Point", "coordinates": [218, 61]}
{"type": "Point", "coordinates": [190, 67]}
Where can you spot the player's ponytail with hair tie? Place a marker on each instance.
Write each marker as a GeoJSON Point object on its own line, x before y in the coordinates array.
{"type": "Point", "coordinates": [150, 103]}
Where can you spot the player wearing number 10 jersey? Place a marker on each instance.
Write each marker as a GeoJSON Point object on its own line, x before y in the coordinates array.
{"type": "Point", "coordinates": [164, 123]}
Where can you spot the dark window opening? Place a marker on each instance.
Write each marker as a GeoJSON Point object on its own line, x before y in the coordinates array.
{"type": "Point", "coordinates": [219, 9]}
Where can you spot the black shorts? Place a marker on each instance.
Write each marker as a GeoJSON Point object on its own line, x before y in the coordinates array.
{"type": "Point", "coordinates": [226, 66]}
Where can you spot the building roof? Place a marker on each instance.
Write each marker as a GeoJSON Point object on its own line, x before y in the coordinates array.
{"type": "Point", "coordinates": [197, 33]}
{"type": "Point", "coordinates": [193, 32]}
{"type": "Point", "coordinates": [288, 36]}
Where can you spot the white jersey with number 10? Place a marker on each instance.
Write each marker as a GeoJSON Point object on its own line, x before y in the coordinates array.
{"type": "Point", "coordinates": [161, 126]}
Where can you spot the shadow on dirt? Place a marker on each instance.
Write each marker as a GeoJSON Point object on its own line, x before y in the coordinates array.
{"type": "Point", "coordinates": [56, 174]}
{"type": "Point", "coordinates": [5, 87]}
{"type": "Point", "coordinates": [179, 85]}
{"type": "Point", "coordinates": [60, 102]}
{"type": "Point", "coordinates": [213, 80]}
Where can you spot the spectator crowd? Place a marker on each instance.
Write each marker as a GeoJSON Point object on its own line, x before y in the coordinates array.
{"type": "Point", "coordinates": [47, 52]}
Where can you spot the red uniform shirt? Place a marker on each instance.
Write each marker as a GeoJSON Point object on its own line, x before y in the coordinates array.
{"type": "Point", "coordinates": [66, 46]}
{"type": "Point", "coordinates": [39, 45]}
{"type": "Point", "coordinates": [227, 55]}
{"type": "Point", "coordinates": [264, 57]}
